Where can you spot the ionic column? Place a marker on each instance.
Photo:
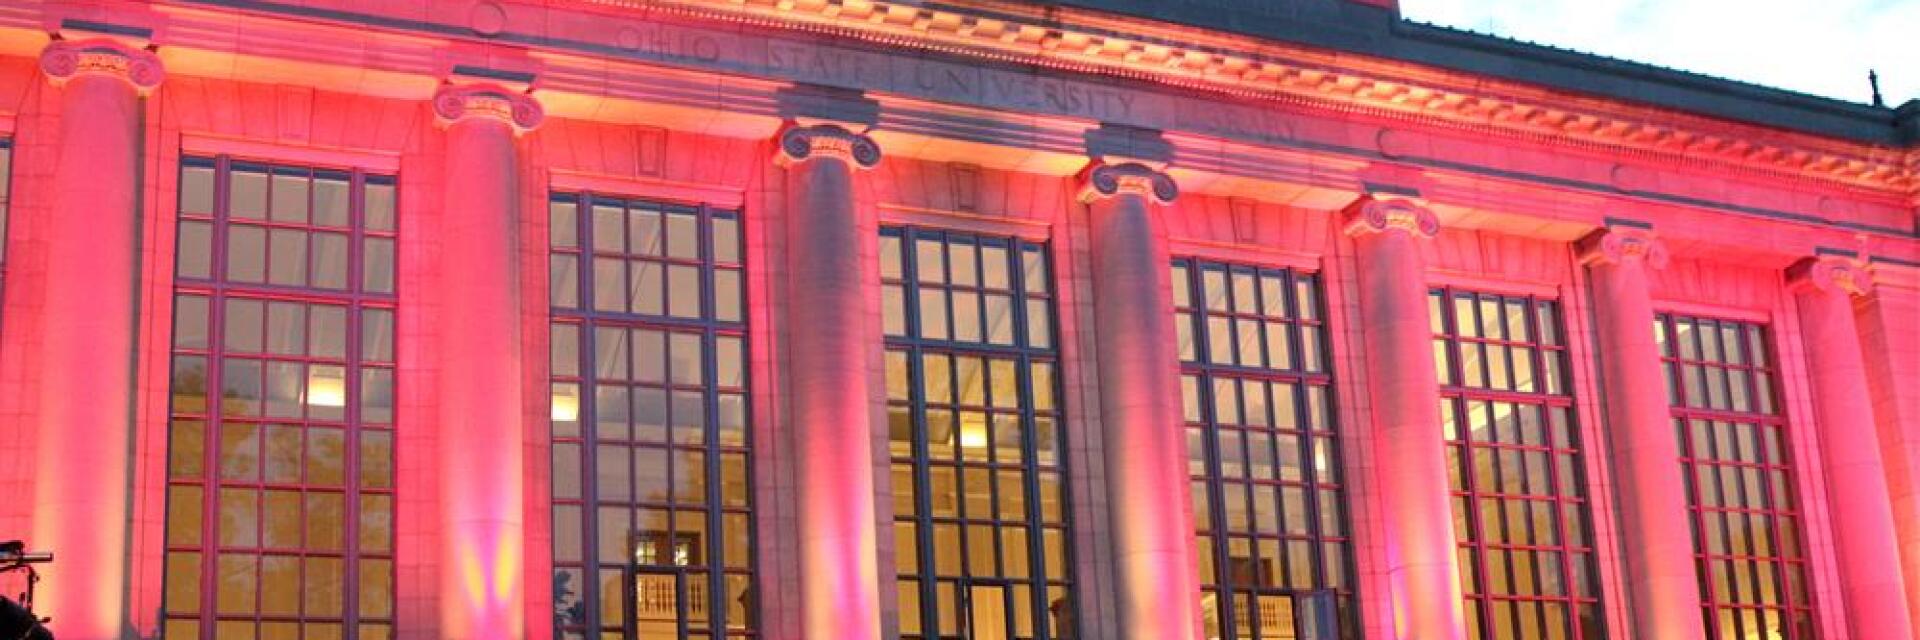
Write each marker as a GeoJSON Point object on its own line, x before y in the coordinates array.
{"type": "Point", "coordinates": [828, 348]}
{"type": "Point", "coordinates": [1405, 393]}
{"type": "Point", "coordinates": [1660, 567]}
{"type": "Point", "coordinates": [83, 358]}
{"type": "Point", "coordinates": [1145, 448]}
{"type": "Point", "coordinates": [1870, 581]}
{"type": "Point", "coordinates": [480, 374]}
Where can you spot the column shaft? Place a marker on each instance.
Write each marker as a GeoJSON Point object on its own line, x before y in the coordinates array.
{"type": "Point", "coordinates": [480, 376]}
{"type": "Point", "coordinates": [1405, 390]}
{"type": "Point", "coordinates": [1660, 566]}
{"type": "Point", "coordinates": [832, 433]}
{"type": "Point", "coordinates": [1870, 580]}
{"type": "Point", "coordinates": [1144, 445]}
{"type": "Point", "coordinates": [84, 362]}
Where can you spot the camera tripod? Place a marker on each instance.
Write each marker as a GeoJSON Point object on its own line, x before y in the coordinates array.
{"type": "Point", "coordinates": [17, 619]}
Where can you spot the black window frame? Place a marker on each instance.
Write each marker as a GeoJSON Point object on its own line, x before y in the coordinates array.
{"type": "Point", "coordinates": [1780, 505]}
{"type": "Point", "coordinates": [1550, 393]}
{"type": "Point", "coordinates": [356, 299]}
{"type": "Point", "coordinates": [1307, 368]}
{"type": "Point", "coordinates": [1034, 342]}
{"type": "Point", "coordinates": [585, 618]}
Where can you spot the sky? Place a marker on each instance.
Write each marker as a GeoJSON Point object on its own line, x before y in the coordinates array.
{"type": "Point", "coordinates": [1819, 47]}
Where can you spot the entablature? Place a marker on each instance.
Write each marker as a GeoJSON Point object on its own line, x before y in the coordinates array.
{"type": "Point", "coordinates": [1014, 102]}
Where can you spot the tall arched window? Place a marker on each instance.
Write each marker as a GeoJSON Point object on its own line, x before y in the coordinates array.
{"type": "Point", "coordinates": [1263, 453]}
{"type": "Point", "coordinates": [980, 517]}
{"type": "Point", "coordinates": [1739, 469]}
{"type": "Point", "coordinates": [652, 513]}
{"type": "Point", "coordinates": [280, 456]}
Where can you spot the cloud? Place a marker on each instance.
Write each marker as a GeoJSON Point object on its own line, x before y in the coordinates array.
{"type": "Point", "coordinates": [1822, 47]}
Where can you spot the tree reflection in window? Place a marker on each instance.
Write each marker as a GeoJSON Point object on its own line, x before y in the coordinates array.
{"type": "Point", "coordinates": [280, 506]}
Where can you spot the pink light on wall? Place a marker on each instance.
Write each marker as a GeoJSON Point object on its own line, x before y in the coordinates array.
{"type": "Point", "coordinates": [81, 501]}
{"type": "Point", "coordinates": [839, 561]}
{"type": "Point", "coordinates": [480, 417]}
{"type": "Point", "coordinates": [489, 567]}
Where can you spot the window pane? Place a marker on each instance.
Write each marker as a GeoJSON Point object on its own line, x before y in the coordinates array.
{"type": "Point", "coordinates": [380, 206]}
{"type": "Point", "coordinates": [289, 191]}
{"type": "Point", "coordinates": [196, 190]}
{"type": "Point", "coordinates": [195, 257]}
{"type": "Point", "coordinates": [726, 295]}
{"type": "Point", "coordinates": [331, 203]}
{"type": "Point", "coordinates": [246, 254]}
{"type": "Point", "coordinates": [379, 266]}
{"type": "Point", "coordinates": [248, 198]}
{"type": "Point", "coordinates": [330, 260]}
{"type": "Point", "coordinates": [563, 273]}
{"type": "Point", "coordinates": [726, 240]}
{"type": "Point", "coordinates": [683, 236]}
{"type": "Point", "coordinates": [683, 291]}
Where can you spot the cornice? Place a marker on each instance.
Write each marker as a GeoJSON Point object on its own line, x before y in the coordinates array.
{"type": "Point", "coordinates": [1083, 42]}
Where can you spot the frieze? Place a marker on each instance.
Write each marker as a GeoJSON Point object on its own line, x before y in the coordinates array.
{"type": "Point", "coordinates": [946, 54]}
{"type": "Point", "coordinates": [992, 86]}
{"type": "Point", "coordinates": [1224, 71]}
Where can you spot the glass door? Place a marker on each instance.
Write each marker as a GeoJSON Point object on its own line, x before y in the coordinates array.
{"type": "Point", "coordinates": [987, 609]}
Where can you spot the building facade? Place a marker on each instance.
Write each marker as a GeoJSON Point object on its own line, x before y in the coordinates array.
{"type": "Point", "coordinates": [862, 319]}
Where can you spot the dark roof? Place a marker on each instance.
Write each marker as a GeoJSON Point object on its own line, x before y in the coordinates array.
{"type": "Point", "coordinates": [1345, 25]}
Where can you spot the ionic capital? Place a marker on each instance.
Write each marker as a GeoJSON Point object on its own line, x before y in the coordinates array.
{"type": "Point", "coordinates": [65, 60]}
{"type": "Point", "coordinates": [1830, 274]}
{"type": "Point", "coordinates": [1105, 180]}
{"type": "Point", "coordinates": [454, 104]}
{"type": "Point", "coordinates": [1370, 215]}
{"type": "Point", "coordinates": [1622, 245]}
{"type": "Point", "coordinates": [801, 143]}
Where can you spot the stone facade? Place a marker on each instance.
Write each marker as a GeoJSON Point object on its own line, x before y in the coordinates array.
{"type": "Point", "coordinates": [1402, 164]}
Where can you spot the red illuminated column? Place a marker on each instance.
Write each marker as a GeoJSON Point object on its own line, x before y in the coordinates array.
{"type": "Point", "coordinates": [480, 373]}
{"type": "Point", "coordinates": [83, 359]}
{"type": "Point", "coordinates": [1146, 450]}
{"type": "Point", "coordinates": [1660, 576]}
{"type": "Point", "coordinates": [832, 431]}
{"type": "Point", "coordinates": [1421, 567]}
{"type": "Point", "coordinates": [1870, 580]}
